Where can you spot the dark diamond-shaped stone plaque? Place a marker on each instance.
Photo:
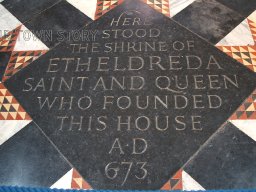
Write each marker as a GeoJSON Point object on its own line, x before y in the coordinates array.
{"type": "Point", "coordinates": [130, 107]}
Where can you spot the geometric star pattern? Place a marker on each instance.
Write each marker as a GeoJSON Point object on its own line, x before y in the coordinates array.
{"type": "Point", "coordinates": [244, 54]}
{"type": "Point", "coordinates": [161, 6]}
{"type": "Point", "coordinates": [103, 6]}
{"type": "Point", "coordinates": [175, 183]}
{"type": "Point", "coordinates": [7, 42]}
{"type": "Point", "coordinates": [166, 7]}
{"type": "Point", "coordinates": [78, 182]}
{"type": "Point", "coordinates": [247, 110]}
{"type": "Point", "coordinates": [19, 60]}
{"type": "Point", "coordinates": [10, 109]}
{"type": "Point", "coordinates": [252, 24]}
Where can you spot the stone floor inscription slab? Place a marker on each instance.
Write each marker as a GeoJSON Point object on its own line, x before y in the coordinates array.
{"type": "Point", "coordinates": [130, 103]}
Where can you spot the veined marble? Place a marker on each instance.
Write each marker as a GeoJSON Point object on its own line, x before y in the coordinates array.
{"type": "Point", "coordinates": [64, 182]}
{"type": "Point", "coordinates": [88, 7]}
{"type": "Point", "coordinates": [240, 36]}
{"type": "Point", "coordinates": [178, 5]}
{"type": "Point", "coordinates": [8, 128]}
{"type": "Point", "coordinates": [247, 126]}
{"type": "Point", "coordinates": [27, 41]}
{"type": "Point", "coordinates": [7, 21]}
{"type": "Point", "coordinates": [189, 184]}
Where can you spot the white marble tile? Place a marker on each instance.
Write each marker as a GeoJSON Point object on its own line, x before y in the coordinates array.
{"type": "Point", "coordinates": [178, 5]}
{"type": "Point", "coordinates": [27, 41]}
{"type": "Point", "coordinates": [7, 21]}
{"type": "Point", "coordinates": [189, 183]}
{"type": "Point", "coordinates": [240, 36]}
{"type": "Point", "coordinates": [88, 7]}
{"type": "Point", "coordinates": [64, 182]}
{"type": "Point", "coordinates": [252, 17]}
{"type": "Point", "coordinates": [246, 126]}
{"type": "Point", "coordinates": [8, 128]}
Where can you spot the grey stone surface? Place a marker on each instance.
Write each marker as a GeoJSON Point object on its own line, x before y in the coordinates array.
{"type": "Point", "coordinates": [227, 161]}
{"type": "Point", "coordinates": [209, 19]}
{"type": "Point", "coordinates": [244, 7]}
{"type": "Point", "coordinates": [28, 159]}
{"type": "Point", "coordinates": [135, 53]}
{"type": "Point", "coordinates": [25, 10]}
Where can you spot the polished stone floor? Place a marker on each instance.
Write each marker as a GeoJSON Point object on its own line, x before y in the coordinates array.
{"type": "Point", "coordinates": [128, 94]}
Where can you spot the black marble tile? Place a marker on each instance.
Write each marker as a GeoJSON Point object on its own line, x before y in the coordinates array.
{"type": "Point", "coordinates": [228, 161]}
{"type": "Point", "coordinates": [244, 7]}
{"type": "Point", "coordinates": [209, 19]}
{"type": "Point", "coordinates": [136, 51]}
{"type": "Point", "coordinates": [25, 10]}
{"type": "Point", "coordinates": [29, 159]}
{"type": "Point", "coordinates": [53, 25]}
{"type": "Point", "coordinates": [4, 59]}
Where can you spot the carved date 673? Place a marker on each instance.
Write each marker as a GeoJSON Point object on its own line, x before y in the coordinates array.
{"type": "Point", "coordinates": [114, 169]}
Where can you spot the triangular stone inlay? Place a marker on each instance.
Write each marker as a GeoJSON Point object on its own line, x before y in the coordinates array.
{"type": "Point", "coordinates": [129, 106]}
